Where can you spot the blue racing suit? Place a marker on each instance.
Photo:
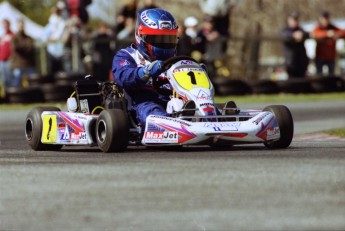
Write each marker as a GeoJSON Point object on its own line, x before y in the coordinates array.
{"type": "Point", "coordinates": [145, 99]}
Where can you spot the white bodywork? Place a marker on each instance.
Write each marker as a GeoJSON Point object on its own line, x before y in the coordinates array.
{"type": "Point", "coordinates": [190, 82]}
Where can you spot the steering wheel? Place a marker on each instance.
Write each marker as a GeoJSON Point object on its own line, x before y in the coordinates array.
{"type": "Point", "coordinates": [169, 62]}
{"type": "Point", "coordinates": [157, 84]}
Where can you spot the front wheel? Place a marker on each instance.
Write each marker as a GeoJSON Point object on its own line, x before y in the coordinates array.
{"type": "Point", "coordinates": [112, 130]}
{"type": "Point", "coordinates": [33, 130]}
{"type": "Point", "coordinates": [286, 126]}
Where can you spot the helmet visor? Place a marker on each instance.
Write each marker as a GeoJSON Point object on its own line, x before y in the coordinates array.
{"type": "Point", "coordinates": [161, 41]}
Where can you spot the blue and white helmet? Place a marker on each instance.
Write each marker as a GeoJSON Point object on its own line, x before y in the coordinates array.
{"type": "Point", "coordinates": [156, 34]}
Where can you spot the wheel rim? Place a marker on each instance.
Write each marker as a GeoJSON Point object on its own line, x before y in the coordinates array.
{"type": "Point", "coordinates": [29, 129]}
{"type": "Point", "coordinates": [101, 131]}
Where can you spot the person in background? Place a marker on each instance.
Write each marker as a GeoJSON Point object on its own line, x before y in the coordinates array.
{"type": "Point", "coordinates": [72, 39]}
{"type": "Point", "coordinates": [128, 31]}
{"type": "Point", "coordinates": [62, 5]}
{"type": "Point", "coordinates": [325, 34]}
{"type": "Point", "coordinates": [102, 52]}
{"type": "Point", "coordinates": [148, 4]}
{"type": "Point", "coordinates": [220, 12]}
{"type": "Point", "coordinates": [23, 56]}
{"type": "Point", "coordinates": [296, 59]}
{"type": "Point", "coordinates": [5, 53]}
{"type": "Point", "coordinates": [129, 10]}
{"type": "Point", "coordinates": [210, 43]}
{"type": "Point", "coordinates": [54, 35]}
{"type": "Point", "coordinates": [187, 35]}
{"type": "Point", "coordinates": [78, 8]}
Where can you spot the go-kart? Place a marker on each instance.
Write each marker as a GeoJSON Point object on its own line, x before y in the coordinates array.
{"type": "Point", "coordinates": [99, 115]}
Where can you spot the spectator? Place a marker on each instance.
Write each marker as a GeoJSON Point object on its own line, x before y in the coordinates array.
{"type": "Point", "coordinates": [184, 41]}
{"type": "Point", "coordinates": [129, 10]}
{"type": "Point", "coordinates": [191, 24]}
{"type": "Point", "coordinates": [102, 52]}
{"type": "Point", "coordinates": [5, 53]}
{"type": "Point", "coordinates": [210, 43]}
{"type": "Point", "coordinates": [23, 56]}
{"type": "Point", "coordinates": [62, 5]}
{"type": "Point", "coordinates": [187, 36]}
{"type": "Point", "coordinates": [325, 34]}
{"type": "Point", "coordinates": [296, 59]}
{"type": "Point", "coordinates": [73, 34]}
{"type": "Point", "coordinates": [54, 34]}
{"type": "Point", "coordinates": [148, 4]}
{"type": "Point", "coordinates": [128, 31]}
{"type": "Point", "coordinates": [220, 11]}
{"type": "Point", "coordinates": [78, 8]}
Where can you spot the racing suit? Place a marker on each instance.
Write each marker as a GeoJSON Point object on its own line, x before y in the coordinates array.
{"type": "Point", "coordinates": [145, 99]}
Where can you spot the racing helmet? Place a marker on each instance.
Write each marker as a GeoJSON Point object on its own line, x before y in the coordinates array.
{"type": "Point", "coordinates": [156, 34]}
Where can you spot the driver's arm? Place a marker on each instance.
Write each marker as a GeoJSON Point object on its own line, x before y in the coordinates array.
{"type": "Point", "coordinates": [127, 74]}
{"type": "Point", "coordinates": [125, 70]}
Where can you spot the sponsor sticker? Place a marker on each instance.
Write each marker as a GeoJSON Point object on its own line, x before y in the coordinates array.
{"type": "Point", "coordinates": [188, 69]}
{"type": "Point", "coordinates": [218, 127]}
{"type": "Point", "coordinates": [124, 63]}
{"type": "Point", "coordinates": [148, 22]}
{"type": "Point", "coordinates": [165, 25]}
{"type": "Point", "coordinates": [273, 133]}
{"type": "Point", "coordinates": [169, 119]}
{"type": "Point", "coordinates": [161, 137]}
{"type": "Point", "coordinates": [66, 133]}
{"type": "Point", "coordinates": [82, 136]}
{"type": "Point", "coordinates": [74, 136]}
{"type": "Point", "coordinates": [260, 118]}
{"type": "Point", "coordinates": [186, 62]}
{"type": "Point", "coordinates": [202, 95]}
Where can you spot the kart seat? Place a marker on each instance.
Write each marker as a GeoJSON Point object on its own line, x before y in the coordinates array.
{"type": "Point", "coordinates": [88, 95]}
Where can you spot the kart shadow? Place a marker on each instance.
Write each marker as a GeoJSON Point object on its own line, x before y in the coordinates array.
{"type": "Point", "coordinates": [87, 155]}
{"type": "Point", "coordinates": [187, 149]}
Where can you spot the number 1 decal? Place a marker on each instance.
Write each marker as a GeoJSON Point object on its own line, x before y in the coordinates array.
{"type": "Point", "coordinates": [192, 77]}
{"type": "Point", "coordinates": [49, 132]}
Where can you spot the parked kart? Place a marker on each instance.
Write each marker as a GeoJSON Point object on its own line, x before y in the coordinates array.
{"type": "Point", "coordinates": [98, 115]}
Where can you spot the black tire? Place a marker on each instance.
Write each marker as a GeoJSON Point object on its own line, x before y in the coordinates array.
{"type": "Point", "coordinates": [234, 87]}
{"type": "Point", "coordinates": [286, 126]}
{"type": "Point", "coordinates": [327, 84]}
{"type": "Point", "coordinates": [68, 78]}
{"type": "Point", "coordinates": [295, 86]}
{"type": "Point", "coordinates": [112, 130]}
{"type": "Point", "coordinates": [56, 92]}
{"type": "Point", "coordinates": [33, 130]}
{"type": "Point", "coordinates": [24, 95]}
{"type": "Point", "coordinates": [37, 80]}
{"type": "Point", "coordinates": [221, 81]}
{"type": "Point", "coordinates": [265, 87]}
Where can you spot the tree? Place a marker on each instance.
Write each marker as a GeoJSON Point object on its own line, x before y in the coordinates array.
{"type": "Point", "coordinates": [38, 11]}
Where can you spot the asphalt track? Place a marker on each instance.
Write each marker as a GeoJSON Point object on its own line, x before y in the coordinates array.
{"type": "Point", "coordinates": [197, 188]}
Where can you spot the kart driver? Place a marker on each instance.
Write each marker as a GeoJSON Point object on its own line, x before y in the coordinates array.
{"type": "Point", "coordinates": [136, 68]}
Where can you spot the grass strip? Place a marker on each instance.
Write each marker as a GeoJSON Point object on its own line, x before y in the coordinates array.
{"type": "Point", "coordinates": [340, 132]}
{"type": "Point", "coordinates": [282, 98]}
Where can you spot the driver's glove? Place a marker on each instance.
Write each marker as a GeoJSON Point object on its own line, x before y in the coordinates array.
{"type": "Point", "coordinates": [153, 70]}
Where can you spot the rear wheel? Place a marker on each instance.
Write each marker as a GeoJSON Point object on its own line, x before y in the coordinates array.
{"type": "Point", "coordinates": [286, 126]}
{"type": "Point", "coordinates": [33, 129]}
{"type": "Point", "coordinates": [112, 130]}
